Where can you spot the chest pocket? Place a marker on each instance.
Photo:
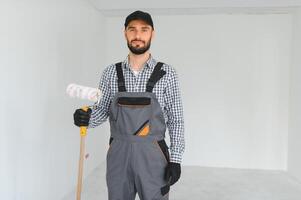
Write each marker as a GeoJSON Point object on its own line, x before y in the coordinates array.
{"type": "Point", "coordinates": [134, 101]}
{"type": "Point", "coordinates": [134, 115]}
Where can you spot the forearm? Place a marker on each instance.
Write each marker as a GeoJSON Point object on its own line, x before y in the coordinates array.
{"type": "Point", "coordinates": [177, 140]}
{"type": "Point", "coordinates": [100, 111]}
{"type": "Point", "coordinates": [98, 116]}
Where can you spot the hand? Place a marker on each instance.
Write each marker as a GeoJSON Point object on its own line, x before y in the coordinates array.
{"type": "Point", "coordinates": [81, 118]}
{"type": "Point", "coordinates": [173, 172]}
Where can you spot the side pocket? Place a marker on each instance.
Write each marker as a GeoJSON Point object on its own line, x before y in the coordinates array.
{"type": "Point", "coordinates": [111, 140]}
{"type": "Point", "coordinates": [110, 143]}
{"type": "Point", "coordinates": [164, 149]}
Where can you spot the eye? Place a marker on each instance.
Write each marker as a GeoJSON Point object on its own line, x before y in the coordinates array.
{"type": "Point", "coordinates": [145, 30]}
{"type": "Point", "coordinates": [131, 29]}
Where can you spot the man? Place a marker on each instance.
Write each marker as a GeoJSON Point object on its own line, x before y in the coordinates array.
{"type": "Point", "coordinates": [141, 97]}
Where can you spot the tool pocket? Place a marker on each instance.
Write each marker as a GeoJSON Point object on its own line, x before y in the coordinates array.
{"type": "Point", "coordinates": [161, 144]}
{"type": "Point", "coordinates": [143, 129]}
{"type": "Point", "coordinates": [134, 114]}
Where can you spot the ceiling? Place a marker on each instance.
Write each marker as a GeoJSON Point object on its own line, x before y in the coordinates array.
{"type": "Point", "coordinates": [121, 7]}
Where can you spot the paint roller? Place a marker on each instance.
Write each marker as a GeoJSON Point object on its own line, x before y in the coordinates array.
{"type": "Point", "coordinates": [83, 92]}
{"type": "Point", "coordinates": [86, 93]}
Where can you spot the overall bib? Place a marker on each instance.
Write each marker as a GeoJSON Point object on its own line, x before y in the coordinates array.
{"type": "Point", "coordinates": [138, 155]}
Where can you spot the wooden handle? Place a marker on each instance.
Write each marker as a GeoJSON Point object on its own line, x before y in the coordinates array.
{"type": "Point", "coordinates": [80, 167]}
{"type": "Point", "coordinates": [83, 133]}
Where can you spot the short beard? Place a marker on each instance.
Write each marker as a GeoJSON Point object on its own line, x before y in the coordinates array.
{"type": "Point", "coordinates": [139, 51]}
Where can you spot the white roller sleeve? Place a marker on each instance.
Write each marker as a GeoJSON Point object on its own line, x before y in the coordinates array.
{"type": "Point", "coordinates": [83, 92]}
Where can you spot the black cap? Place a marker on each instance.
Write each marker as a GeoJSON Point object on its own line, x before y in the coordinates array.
{"type": "Point", "coordinates": [139, 15]}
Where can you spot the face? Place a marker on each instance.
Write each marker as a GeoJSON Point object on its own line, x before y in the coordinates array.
{"type": "Point", "coordinates": [138, 35]}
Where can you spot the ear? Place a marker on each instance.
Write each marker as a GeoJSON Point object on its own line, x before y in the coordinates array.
{"type": "Point", "coordinates": [124, 32]}
{"type": "Point", "coordinates": [153, 34]}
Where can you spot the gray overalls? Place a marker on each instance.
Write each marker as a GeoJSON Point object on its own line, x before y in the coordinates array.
{"type": "Point", "coordinates": [138, 155]}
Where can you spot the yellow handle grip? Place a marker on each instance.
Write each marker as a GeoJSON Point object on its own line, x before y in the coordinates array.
{"type": "Point", "coordinates": [83, 129]}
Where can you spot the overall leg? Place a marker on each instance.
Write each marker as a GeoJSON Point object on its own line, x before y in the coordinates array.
{"type": "Point", "coordinates": [149, 168]}
{"type": "Point", "coordinates": [119, 176]}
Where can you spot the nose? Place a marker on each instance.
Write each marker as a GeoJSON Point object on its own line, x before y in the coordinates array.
{"type": "Point", "coordinates": [138, 35]}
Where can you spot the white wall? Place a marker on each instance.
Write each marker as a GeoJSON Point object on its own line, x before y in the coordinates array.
{"type": "Point", "coordinates": [294, 142]}
{"type": "Point", "coordinates": [193, 4]}
{"type": "Point", "coordinates": [45, 45]}
{"type": "Point", "coordinates": [234, 72]}
{"type": "Point", "coordinates": [7, 138]}
{"type": "Point", "coordinates": [238, 118]}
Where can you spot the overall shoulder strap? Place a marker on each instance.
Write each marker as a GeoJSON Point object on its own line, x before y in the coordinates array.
{"type": "Point", "coordinates": [120, 81]}
{"type": "Point", "coordinates": [157, 74]}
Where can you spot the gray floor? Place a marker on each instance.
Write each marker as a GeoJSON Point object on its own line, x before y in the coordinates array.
{"type": "Point", "coordinates": [204, 183]}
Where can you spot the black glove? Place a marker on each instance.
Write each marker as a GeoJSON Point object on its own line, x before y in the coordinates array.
{"type": "Point", "coordinates": [81, 118]}
{"type": "Point", "coordinates": [173, 172]}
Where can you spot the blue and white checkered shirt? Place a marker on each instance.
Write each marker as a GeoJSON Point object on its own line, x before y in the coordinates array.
{"type": "Point", "coordinates": [167, 91]}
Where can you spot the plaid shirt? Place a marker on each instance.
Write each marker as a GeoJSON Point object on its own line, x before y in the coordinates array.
{"type": "Point", "coordinates": [167, 91]}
